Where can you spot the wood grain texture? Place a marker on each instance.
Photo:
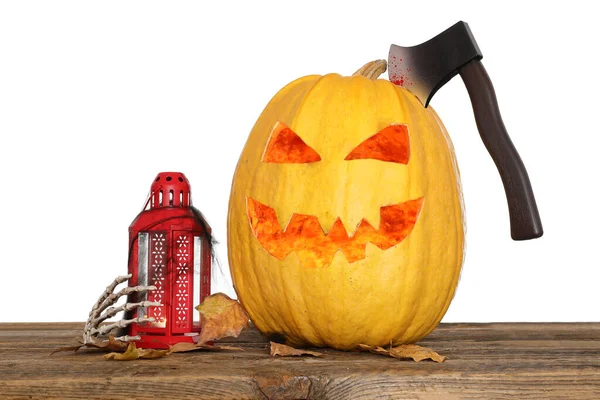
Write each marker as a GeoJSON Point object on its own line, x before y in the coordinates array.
{"type": "Point", "coordinates": [489, 361]}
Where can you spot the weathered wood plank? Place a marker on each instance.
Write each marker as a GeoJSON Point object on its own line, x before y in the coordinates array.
{"type": "Point", "coordinates": [493, 361]}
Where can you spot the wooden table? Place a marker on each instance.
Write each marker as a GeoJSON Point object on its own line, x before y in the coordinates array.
{"type": "Point", "coordinates": [488, 361]}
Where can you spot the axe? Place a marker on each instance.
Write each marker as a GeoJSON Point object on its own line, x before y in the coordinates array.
{"type": "Point", "coordinates": [425, 68]}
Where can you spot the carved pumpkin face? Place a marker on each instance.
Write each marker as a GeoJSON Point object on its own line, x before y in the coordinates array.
{"type": "Point", "coordinates": [345, 219]}
{"type": "Point", "coordinates": [304, 235]}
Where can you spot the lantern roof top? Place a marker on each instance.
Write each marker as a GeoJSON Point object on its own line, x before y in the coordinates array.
{"type": "Point", "coordinates": [170, 189]}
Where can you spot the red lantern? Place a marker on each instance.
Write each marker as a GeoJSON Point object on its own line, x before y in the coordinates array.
{"type": "Point", "coordinates": [170, 248]}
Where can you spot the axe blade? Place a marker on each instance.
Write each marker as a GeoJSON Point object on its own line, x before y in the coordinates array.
{"type": "Point", "coordinates": [424, 68]}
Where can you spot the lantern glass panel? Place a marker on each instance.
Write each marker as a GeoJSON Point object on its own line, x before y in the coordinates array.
{"type": "Point", "coordinates": [197, 277]}
{"type": "Point", "coordinates": [142, 269]}
{"type": "Point", "coordinates": [152, 270]}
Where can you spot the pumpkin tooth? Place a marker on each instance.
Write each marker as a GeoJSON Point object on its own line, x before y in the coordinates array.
{"type": "Point", "coordinates": [373, 218]}
{"type": "Point", "coordinates": [284, 217]}
{"type": "Point", "coordinates": [331, 223]}
{"type": "Point", "coordinates": [351, 223]}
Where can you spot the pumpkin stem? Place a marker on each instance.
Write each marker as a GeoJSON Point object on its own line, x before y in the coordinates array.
{"type": "Point", "coordinates": [372, 70]}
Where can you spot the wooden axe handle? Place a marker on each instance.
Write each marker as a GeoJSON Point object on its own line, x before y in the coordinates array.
{"type": "Point", "coordinates": [525, 222]}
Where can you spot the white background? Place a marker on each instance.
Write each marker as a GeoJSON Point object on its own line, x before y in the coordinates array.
{"type": "Point", "coordinates": [96, 98]}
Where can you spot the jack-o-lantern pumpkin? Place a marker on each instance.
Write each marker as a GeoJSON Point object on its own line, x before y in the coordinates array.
{"type": "Point", "coordinates": [345, 219]}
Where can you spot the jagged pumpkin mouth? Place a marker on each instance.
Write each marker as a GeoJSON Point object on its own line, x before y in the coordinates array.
{"type": "Point", "coordinates": [305, 236]}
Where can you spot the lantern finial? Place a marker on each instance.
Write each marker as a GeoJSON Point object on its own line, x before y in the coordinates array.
{"type": "Point", "coordinates": [170, 189]}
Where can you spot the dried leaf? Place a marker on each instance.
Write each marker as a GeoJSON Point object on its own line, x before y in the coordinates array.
{"type": "Point", "coordinates": [151, 353]}
{"type": "Point", "coordinates": [417, 353]}
{"type": "Point", "coordinates": [373, 349]}
{"type": "Point", "coordinates": [227, 348]}
{"type": "Point", "coordinates": [282, 350]}
{"type": "Point", "coordinates": [185, 347]}
{"type": "Point", "coordinates": [221, 317]}
{"type": "Point", "coordinates": [405, 351]}
{"type": "Point", "coordinates": [133, 353]}
{"type": "Point", "coordinates": [67, 348]}
{"type": "Point", "coordinates": [129, 354]}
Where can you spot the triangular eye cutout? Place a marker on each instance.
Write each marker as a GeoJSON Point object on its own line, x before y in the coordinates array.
{"type": "Point", "coordinates": [390, 144]}
{"type": "Point", "coordinates": [286, 147]}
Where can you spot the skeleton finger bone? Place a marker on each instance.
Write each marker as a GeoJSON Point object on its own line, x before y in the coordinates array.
{"type": "Point", "coordinates": [128, 338]}
{"type": "Point", "coordinates": [112, 311]}
{"type": "Point", "coordinates": [102, 310]}
{"type": "Point", "coordinates": [113, 297]}
{"type": "Point", "coordinates": [121, 324]}
{"type": "Point", "coordinates": [109, 290]}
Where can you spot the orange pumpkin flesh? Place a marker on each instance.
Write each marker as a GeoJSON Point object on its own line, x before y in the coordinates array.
{"type": "Point", "coordinates": [287, 147]}
{"type": "Point", "coordinates": [391, 144]}
{"type": "Point", "coordinates": [305, 236]}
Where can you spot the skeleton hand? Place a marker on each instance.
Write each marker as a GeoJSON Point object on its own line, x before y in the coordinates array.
{"type": "Point", "coordinates": [102, 310]}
